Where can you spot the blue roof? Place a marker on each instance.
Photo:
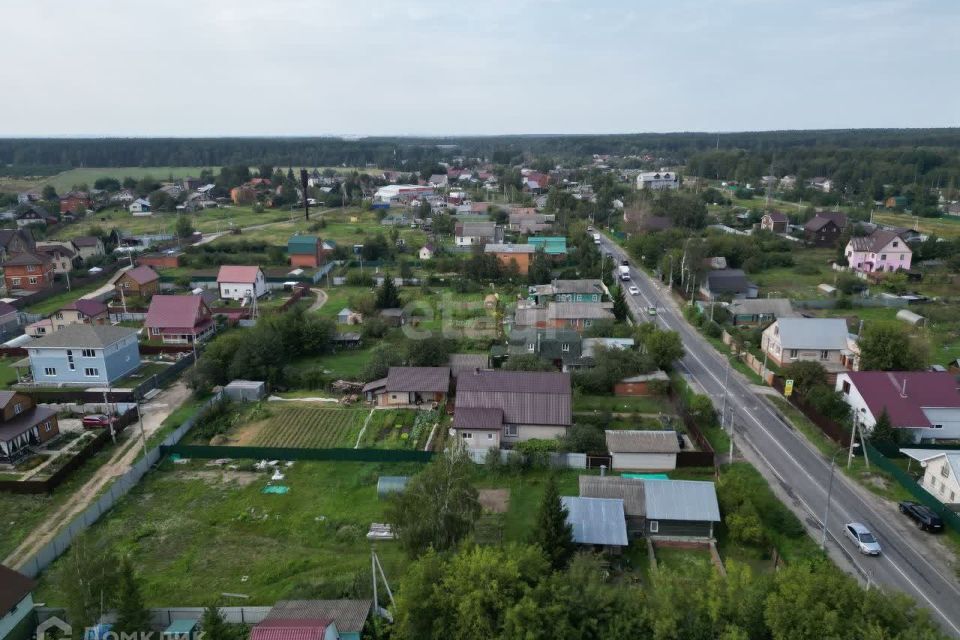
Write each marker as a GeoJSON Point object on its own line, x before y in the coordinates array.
{"type": "Point", "coordinates": [181, 627]}
{"type": "Point", "coordinates": [596, 520]}
{"type": "Point", "coordinates": [681, 500]}
{"type": "Point", "coordinates": [552, 245]}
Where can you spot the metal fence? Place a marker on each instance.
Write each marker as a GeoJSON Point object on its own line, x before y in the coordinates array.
{"type": "Point", "coordinates": [162, 378]}
{"type": "Point", "coordinates": [33, 565]}
{"type": "Point", "coordinates": [209, 452]}
{"type": "Point", "coordinates": [560, 460]}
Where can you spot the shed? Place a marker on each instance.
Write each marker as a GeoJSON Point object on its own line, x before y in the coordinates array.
{"type": "Point", "coordinates": [180, 630]}
{"type": "Point", "coordinates": [680, 508]}
{"type": "Point", "coordinates": [643, 450]}
{"type": "Point", "coordinates": [623, 488]}
{"type": "Point", "coordinates": [387, 485]}
{"type": "Point", "coordinates": [246, 390]}
{"type": "Point", "coordinates": [911, 318]}
{"type": "Point", "coordinates": [596, 521]}
{"type": "Point", "coordinates": [827, 289]}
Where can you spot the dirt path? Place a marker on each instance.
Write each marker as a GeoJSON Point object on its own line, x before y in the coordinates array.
{"type": "Point", "coordinates": [320, 301]}
{"type": "Point", "coordinates": [154, 413]}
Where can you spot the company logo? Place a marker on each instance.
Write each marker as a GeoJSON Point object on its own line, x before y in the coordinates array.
{"type": "Point", "coordinates": [52, 628]}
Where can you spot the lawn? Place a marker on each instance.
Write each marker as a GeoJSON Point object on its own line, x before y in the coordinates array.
{"type": "Point", "coordinates": [945, 227]}
{"type": "Point", "coordinates": [53, 303]}
{"type": "Point", "coordinates": [799, 281]}
{"type": "Point", "coordinates": [207, 221]}
{"type": "Point", "coordinates": [8, 374]}
{"type": "Point", "coordinates": [309, 426]}
{"type": "Point", "coordinates": [615, 404]}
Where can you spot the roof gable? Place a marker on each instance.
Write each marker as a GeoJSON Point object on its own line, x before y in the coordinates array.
{"type": "Point", "coordinates": [174, 311]}
{"type": "Point", "coordinates": [234, 273]}
{"type": "Point", "coordinates": [905, 394]}
{"type": "Point", "coordinates": [143, 274]}
{"type": "Point", "coordinates": [91, 336]}
{"type": "Point", "coordinates": [811, 333]}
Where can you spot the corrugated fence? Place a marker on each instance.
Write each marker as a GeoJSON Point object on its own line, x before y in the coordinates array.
{"type": "Point", "coordinates": [208, 452]}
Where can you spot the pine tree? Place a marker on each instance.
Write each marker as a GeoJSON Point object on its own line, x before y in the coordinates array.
{"type": "Point", "coordinates": [619, 304]}
{"type": "Point", "coordinates": [213, 625]}
{"type": "Point", "coordinates": [551, 532]}
{"type": "Point", "coordinates": [387, 295]}
{"type": "Point", "coordinates": [883, 430]}
{"type": "Point", "coordinates": [133, 617]}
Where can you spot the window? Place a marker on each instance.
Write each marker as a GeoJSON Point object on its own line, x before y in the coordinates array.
{"type": "Point", "coordinates": [70, 359]}
{"type": "Point", "coordinates": [46, 426]}
{"type": "Point", "coordinates": [901, 256]}
{"type": "Point", "coordinates": [17, 408]}
{"type": "Point", "coordinates": [59, 316]}
{"type": "Point", "coordinates": [846, 388]}
{"type": "Point", "coordinates": [531, 347]}
{"type": "Point", "coordinates": [33, 280]}
{"type": "Point", "coordinates": [883, 256]}
{"type": "Point", "coordinates": [938, 426]}
{"type": "Point", "coordinates": [49, 371]}
{"type": "Point", "coordinates": [88, 353]}
{"type": "Point", "coordinates": [15, 281]}
{"type": "Point", "coordinates": [654, 526]}
{"type": "Point", "coordinates": [896, 244]}
{"type": "Point", "coordinates": [155, 331]}
{"type": "Point", "coordinates": [952, 497]}
{"type": "Point", "coordinates": [489, 436]}
{"type": "Point", "coordinates": [587, 323]}
{"type": "Point", "coordinates": [511, 430]}
{"type": "Point", "coordinates": [31, 268]}
{"type": "Point", "coordinates": [466, 435]}
{"type": "Point", "coordinates": [565, 348]}
{"type": "Point", "coordinates": [824, 355]}
{"type": "Point", "coordinates": [793, 353]}
{"type": "Point", "coordinates": [945, 471]}
{"type": "Point", "coordinates": [91, 372]}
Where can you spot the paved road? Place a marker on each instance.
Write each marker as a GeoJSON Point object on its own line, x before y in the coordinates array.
{"type": "Point", "coordinates": [803, 473]}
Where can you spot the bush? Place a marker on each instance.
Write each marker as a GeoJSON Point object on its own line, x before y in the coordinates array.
{"type": "Point", "coordinates": [712, 329]}
{"type": "Point", "coordinates": [806, 270]}
{"type": "Point", "coordinates": [492, 462]}
{"type": "Point", "coordinates": [745, 526]}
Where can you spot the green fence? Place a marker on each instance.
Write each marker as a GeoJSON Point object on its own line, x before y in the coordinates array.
{"type": "Point", "coordinates": [289, 453]}
{"type": "Point", "coordinates": [922, 496]}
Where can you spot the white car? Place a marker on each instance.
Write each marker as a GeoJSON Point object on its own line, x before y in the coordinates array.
{"type": "Point", "coordinates": [634, 291]}
{"type": "Point", "coordinates": [862, 538]}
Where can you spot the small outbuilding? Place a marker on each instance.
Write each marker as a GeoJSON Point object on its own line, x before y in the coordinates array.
{"type": "Point", "coordinates": [180, 630]}
{"type": "Point", "coordinates": [246, 390]}
{"type": "Point", "coordinates": [643, 450]}
{"type": "Point", "coordinates": [680, 508]}
{"type": "Point", "coordinates": [349, 316]}
{"type": "Point", "coordinates": [598, 522]}
{"type": "Point", "coordinates": [388, 485]}
{"type": "Point", "coordinates": [911, 318]}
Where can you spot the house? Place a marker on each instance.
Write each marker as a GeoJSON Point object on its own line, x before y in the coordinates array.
{"type": "Point", "coordinates": [13, 241]}
{"type": "Point", "coordinates": [510, 254]}
{"type": "Point", "coordinates": [554, 246]}
{"type": "Point", "coordinates": [563, 315]}
{"type": "Point", "coordinates": [24, 425]}
{"type": "Point", "coordinates": [303, 629]}
{"type": "Point", "coordinates": [76, 202]}
{"type": "Point", "coordinates": [238, 283]}
{"type": "Point", "coordinates": [643, 384]}
{"type": "Point", "coordinates": [658, 180]}
{"type": "Point", "coordinates": [527, 223]}
{"type": "Point", "coordinates": [759, 311]}
{"type": "Point", "coordinates": [438, 180]}
{"type": "Point", "coordinates": [461, 363]}
{"type": "Point", "coordinates": [823, 340]}
{"type": "Point", "coordinates": [941, 475]}
{"type": "Point", "coordinates": [83, 354]}
{"type": "Point", "coordinates": [394, 317]}
{"type": "Point", "coordinates": [401, 193]}
{"type": "Point", "coordinates": [468, 234]}
{"type": "Point", "coordinates": [349, 316]}
{"type": "Point", "coordinates": [560, 347]}
{"type": "Point", "coordinates": [305, 251]}
{"type": "Point", "coordinates": [680, 509]}
{"type": "Point", "coordinates": [9, 317]}
{"type": "Point", "coordinates": [17, 615]}
{"type": "Point", "coordinates": [140, 281]}
{"type": "Point", "coordinates": [426, 252]}
{"type": "Point", "coordinates": [775, 221]}
{"type": "Point", "coordinates": [495, 407]}
{"type": "Point", "coordinates": [824, 230]}
{"type": "Point", "coordinates": [727, 284]}
{"type": "Point", "coordinates": [405, 386]}
{"type": "Point", "coordinates": [788, 182]}
{"type": "Point", "coordinates": [896, 202]}
{"type": "Point", "coordinates": [179, 319]}
{"type": "Point", "coordinates": [62, 257]}
{"type": "Point", "coordinates": [824, 185]}
{"type": "Point", "coordinates": [28, 272]}
{"type": "Point", "coordinates": [39, 328]}
{"type": "Point", "coordinates": [881, 251]}
{"type": "Point", "coordinates": [925, 405]}
{"type": "Point", "coordinates": [584, 290]}
{"type": "Point", "coordinates": [139, 207]}
{"type": "Point", "coordinates": [80, 311]}
{"type": "Point", "coordinates": [31, 214]}
{"type": "Point", "coordinates": [350, 616]}
{"type": "Point", "coordinates": [643, 450]}
{"type": "Point", "coordinates": [597, 522]}
{"type": "Point", "coordinates": [628, 490]}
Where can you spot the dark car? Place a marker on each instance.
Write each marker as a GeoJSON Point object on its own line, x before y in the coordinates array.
{"type": "Point", "coordinates": [97, 421]}
{"type": "Point", "coordinates": [925, 517]}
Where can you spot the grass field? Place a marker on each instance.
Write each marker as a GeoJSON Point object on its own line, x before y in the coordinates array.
{"type": "Point", "coordinates": [651, 404]}
{"type": "Point", "coordinates": [53, 303]}
{"type": "Point", "coordinates": [946, 227]}
{"type": "Point", "coordinates": [206, 221]}
{"type": "Point", "coordinates": [8, 375]}
{"type": "Point", "coordinates": [800, 280]}
{"type": "Point", "coordinates": [302, 426]}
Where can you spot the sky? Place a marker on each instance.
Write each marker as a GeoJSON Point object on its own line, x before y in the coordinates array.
{"type": "Point", "coordinates": [418, 67]}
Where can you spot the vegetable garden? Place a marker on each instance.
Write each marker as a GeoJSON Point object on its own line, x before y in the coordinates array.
{"type": "Point", "coordinates": [311, 428]}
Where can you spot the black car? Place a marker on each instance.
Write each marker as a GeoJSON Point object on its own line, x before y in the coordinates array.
{"type": "Point", "coordinates": [924, 516]}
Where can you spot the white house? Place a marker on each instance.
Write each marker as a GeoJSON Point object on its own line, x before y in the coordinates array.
{"type": "Point", "coordinates": [140, 207]}
{"type": "Point", "coordinates": [426, 252]}
{"type": "Point", "coordinates": [941, 477]}
{"type": "Point", "coordinates": [643, 450]}
{"type": "Point", "coordinates": [823, 340]}
{"type": "Point", "coordinates": [924, 404]}
{"type": "Point", "coordinates": [657, 180]}
{"type": "Point", "coordinates": [237, 283]}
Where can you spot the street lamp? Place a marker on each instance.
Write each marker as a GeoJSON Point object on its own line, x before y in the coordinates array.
{"type": "Point", "coordinates": [826, 512]}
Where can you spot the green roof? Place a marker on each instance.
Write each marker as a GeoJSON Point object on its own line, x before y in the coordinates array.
{"type": "Point", "coordinates": [552, 245]}
{"type": "Point", "coordinates": [181, 627]}
{"type": "Point", "coordinates": [302, 244]}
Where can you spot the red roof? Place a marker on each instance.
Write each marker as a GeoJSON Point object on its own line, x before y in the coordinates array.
{"type": "Point", "coordinates": [142, 275]}
{"type": "Point", "coordinates": [924, 389]}
{"type": "Point", "coordinates": [283, 629]}
{"type": "Point", "coordinates": [89, 308]}
{"type": "Point", "coordinates": [167, 312]}
{"type": "Point", "coordinates": [238, 274]}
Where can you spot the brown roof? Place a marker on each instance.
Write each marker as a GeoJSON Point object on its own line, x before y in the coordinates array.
{"type": "Point", "coordinates": [27, 259]}
{"type": "Point", "coordinates": [822, 219]}
{"type": "Point", "coordinates": [630, 441]}
{"type": "Point", "coordinates": [14, 587]}
{"type": "Point", "coordinates": [626, 489]}
{"type": "Point", "coordinates": [24, 421]}
{"type": "Point", "coordinates": [142, 275]}
{"type": "Point", "coordinates": [86, 306]}
{"type": "Point", "coordinates": [348, 615]}
{"type": "Point", "coordinates": [422, 379]}
{"type": "Point", "coordinates": [777, 216]}
{"type": "Point", "coordinates": [876, 241]}
{"type": "Point", "coordinates": [477, 418]}
{"type": "Point", "coordinates": [525, 397]}
{"type": "Point", "coordinates": [234, 273]}
{"type": "Point", "coordinates": [86, 241]}
{"type": "Point", "coordinates": [174, 312]}
{"type": "Point", "coordinates": [286, 629]}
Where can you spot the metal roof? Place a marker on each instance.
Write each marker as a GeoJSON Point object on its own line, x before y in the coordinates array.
{"type": "Point", "coordinates": [348, 615]}
{"type": "Point", "coordinates": [779, 307]}
{"type": "Point", "coordinates": [626, 489]}
{"type": "Point", "coordinates": [290, 629]}
{"type": "Point", "coordinates": [424, 379]}
{"type": "Point", "coordinates": [477, 418]}
{"type": "Point", "coordinates": [83, 336]}
{"type": "Point", "coordinates": [467, 362]}
{"type": "Point", "coordinates": [509, 248]}
{"type": "Point", "coordinates": [525, 397]}
{"type": "Point", "coordinates": [142, 274]}
{"type": "Point", "coordinates": [172, 311]}
{"type": "Point", "coordinates": [585, 285]}
{"type": "Point", "coordinates": [635, 441]}
{"type": "Point", "coordinates": [25, 421]}
{"type": "Point", "coordinates": [234, 273]}
{"type": "Point", "coordinates": [596, 520]}
{"type": "Point", "coordinates": [14, 587]}
{"type": "Point", "coordinates": [811, 333]}
{"type": "Point", "coordinates": [688, 500]}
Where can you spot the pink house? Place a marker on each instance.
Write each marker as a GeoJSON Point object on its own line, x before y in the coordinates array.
{"type": "Point", "coordinates": [880, 251]}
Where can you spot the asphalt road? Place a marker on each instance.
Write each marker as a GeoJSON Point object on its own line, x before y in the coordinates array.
{"type": "Point", "coordinates": [801, 471]}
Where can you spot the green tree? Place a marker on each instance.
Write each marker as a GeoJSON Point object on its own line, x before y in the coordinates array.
{"type": "Point", "coordinates": [387, 295]}
{"type": "Point", "coordinates": [86, 581]}
{"type": "Point", "coordinates": [664, 347]}
{"type": "Point", "coordinates": [527, 362]}
{"type": "Point", "coordinates": [132, 613]}
{"type": "Point", "coordinates": [884, 431]}
{"type": "Point", "coordinates": [213, 624]}
{"type": "Point", "coordinates": [885, 346]}
{"type": "Point", "coordinates": [540, 271]}
{"type": "Point", "coordinates": [49, 193]}
{"type": "Point", "coordinates": [439, 506]}
{"type": "Point", "coordinates": [620, 309]}
{"type": "Point", "coordinates": [551, 531]}
{"type": "Point", "coordinates": [184, 226]}
{"type": "Point", "coordinates": [433, 351]}
{"type": "Point", "coordinates": [806, 375]}
{"type": "Point", "coordinates": [382, 357]}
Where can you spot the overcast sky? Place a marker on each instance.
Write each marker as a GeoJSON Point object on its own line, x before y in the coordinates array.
{"type": "Point", "coordinates": [412, 67]}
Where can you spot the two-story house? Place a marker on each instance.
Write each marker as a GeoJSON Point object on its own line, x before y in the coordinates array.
{"type": "Point", "coordinates": [881, 251]}
{"type": "Point", "coordinates": [179, 319]}
{"type": "Point", "coordinates": [76, 202]}
{"type": "Point", "coordinates": [305, 251]}
{"type": "Point", "coordinates": [585, 290]}
{"type": "Point", "coordinates": [824, 229]}
{"type": "Point", "coordinates": [28, 271]}
{"type": "Point", "coordinates": [560, 347]}
{"type": "Point", "coordinates": [237, 283]}
{"type": "Point", "coordinates": [941, 476]}
{"type": "Point", "coordinates": [17, 613]}
{"type": "Point", "coordinates": [823, 340]}
{"type": "Point", "coordinates": [577, 316]}
{"type": "Point", "coordinates": [81, 311]}
{"type": "Point", "coordinates": [83, 354]}
{"type": "Point", "coordinates": [14, 241]}
{"type": "Point", "coordinates": [63, 257]}
{"type": "Point", "coordinates": [89, 247]}
{"type": "Point", "coordinates": [140, 281]}
{"type": "Point", "coordinates": [23, 425]}
{"type": "Point", "coordinates": [658, 180]}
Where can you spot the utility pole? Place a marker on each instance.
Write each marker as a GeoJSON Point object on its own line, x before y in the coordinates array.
{"type": "Point", "coordinates": [143, 436]}
{"type": "Point", "coordinates": [826, 512]}
{"type": "Point", "coordinates": [853, 439]}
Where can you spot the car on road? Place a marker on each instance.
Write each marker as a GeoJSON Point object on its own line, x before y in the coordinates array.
{"type": "Point", "coordinates": [862, 538]}
{"type": "Point", "coordinates": [651, 311]}
{"type": "Point", "coordinates": [634, 290]}
{"type": "Point", "coordinates": [97, 421]}
{"type": "Point", "coordinates": [925, 517]}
